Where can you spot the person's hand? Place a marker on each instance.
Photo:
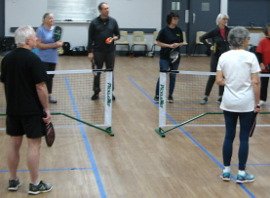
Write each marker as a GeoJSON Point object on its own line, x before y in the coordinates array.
{"type": "Point", "coordinates": [179, 44]}
{"type": "Point", "coordinates": [47, 116]}
{"type": "Point", "coordinates": [257, 109]}
{"type": "Point", "coordinates": [58, 44]}
{"type": "Point", "coordinates": [109, 40]}
{"type": "Point", "coordinates": [115, 38]}
{"type": "Point", "coordinates": [175, 45]}
{"type": "Point", "coordinates": [91, 56]}
{"type": "Point", "coordinates": [262, 66]}
{"type": "Point", "coordinates": [172, 45]}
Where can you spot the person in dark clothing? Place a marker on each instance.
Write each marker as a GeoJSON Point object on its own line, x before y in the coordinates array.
{"type": "Point", "coordinates": [263, 54]}
{"type": "Point", "coordinates": [24, 79]}
{"type": "Point", "coordinates": [103, 31]}
{"type": "Point", "coordinates": [170, 39]}
{"type": "Point", "coordinates": [219, 45]}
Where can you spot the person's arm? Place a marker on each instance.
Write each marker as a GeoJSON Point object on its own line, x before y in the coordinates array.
{"type": "Point", "coordinates": [255, 79]}
{"type": "Point", "coordinates": [43, 98]}
{"type": "Point", "coordinates": [44, 46]}
{"type": "Point", "coordinates": [206, 36]}
{"type": "Point", "coordinates": [259, 57]}
{"type": "Point", "coordinates": [116, 32]}
{"type": "Point", "coordinates": [260, 60]}
{"type": "Point", "coordinates": [164, 45]}
{"type": "Point", "coordinates": [90, 41]}
{"type": "Point", "coordinates": [220, 78]}
{"type": "Point", "coordinates": [91, 32]}
{"type": "Point", "coordinates": [259, 54]}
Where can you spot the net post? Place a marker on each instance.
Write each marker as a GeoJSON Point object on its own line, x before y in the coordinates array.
{"type": "Point", "coordinates": [162, 101]}
{"type": "Point", "coordinates": [108, 102]}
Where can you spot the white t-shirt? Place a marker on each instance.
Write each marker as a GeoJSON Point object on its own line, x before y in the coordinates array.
{"type": "Point", "coordinates": [237, 67]}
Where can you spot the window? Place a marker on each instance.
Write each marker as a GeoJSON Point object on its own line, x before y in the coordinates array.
{"type": "Point", "coordinates": [80, 10]}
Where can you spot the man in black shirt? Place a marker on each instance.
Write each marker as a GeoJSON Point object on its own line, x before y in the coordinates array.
{"type": "Point", "coordinates": [103, 31]}
{"type": "Point", "coordinates": [170, 40]}
{"type": "Point", "coordinates": [27, 99]}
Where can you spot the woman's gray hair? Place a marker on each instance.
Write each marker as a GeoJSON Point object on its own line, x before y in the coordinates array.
{"type": "Point", "coordinates": [23, 33]}
{"type": "Point", "coordinates": [237, 36]}
{"type": "Point", "coordinates": [46, 15]}
{"type": "Point", "coordinates": [221, 16]}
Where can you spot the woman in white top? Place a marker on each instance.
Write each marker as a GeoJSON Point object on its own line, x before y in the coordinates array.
{"type": "Point", "coordinates": [238, 71]}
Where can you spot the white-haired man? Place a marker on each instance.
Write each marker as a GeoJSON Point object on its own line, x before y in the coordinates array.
{"type": "Point", "coordinates": [27, 99]}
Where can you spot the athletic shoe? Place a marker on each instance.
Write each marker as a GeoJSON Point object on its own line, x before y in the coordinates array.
{"type": "Point", "coordinates": [42, 187]}
{"type": "Point", "coordinates": [13, 185]}
{"type": "Point", "coordinates": [95, 96]}
{"type": "Point", "coordinates": [262, 102]}
{"type": "Point", "coordinates": [156, 99]}
{"type": "Point", "coordinates": [245, 178]}
{"type": "Point", "coordinates": [113, 97]}
{"type": "Point", "coordinates": [219, 100]}
{"type": "Point", "coordinates": [204, 101]}
{"type": "Point", "coordinates": [225, 176]}
{"type": "Point", "coordinates": [52, 100]}
{"type": "Point", "coordinates": [170, 99]}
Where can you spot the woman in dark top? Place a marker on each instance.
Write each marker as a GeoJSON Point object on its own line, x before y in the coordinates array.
{"type": "Point", "coordinates": [170, 40]}
{"type": "Point", "coordinates": [219, 45]}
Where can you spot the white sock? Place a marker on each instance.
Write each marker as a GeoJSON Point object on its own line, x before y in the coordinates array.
{"type": "Point", "coordinates": [241, 172]}
{"type": "Point", "coordinates": [36, 183]}
{"type": "Point", "coordinates": [227, 169]}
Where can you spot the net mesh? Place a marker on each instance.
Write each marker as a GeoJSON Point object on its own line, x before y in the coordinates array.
{"type": "Point", "coordinates": [188, 93]}
{"type": "Point", "coordinates": [73, 91]}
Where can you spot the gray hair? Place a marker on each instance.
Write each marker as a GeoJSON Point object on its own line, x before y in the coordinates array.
{"type": "Point", "coordinates": [47, 14]}
{"type": "Point", "coordinates": [23, 33]}
{"type": "Point", "coordinates": [221, 16]}
{"type": "Point", "coordinates": [237, 36]}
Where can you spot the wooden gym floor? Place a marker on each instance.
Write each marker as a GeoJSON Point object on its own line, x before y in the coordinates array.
{"type": "Point", "coordinates": [136, 162]}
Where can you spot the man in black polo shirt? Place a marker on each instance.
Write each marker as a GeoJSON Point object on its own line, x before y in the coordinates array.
{"type": "Point", "coordinates": [27, 98]}
{"type": "Point", "coordinates": [103, 31]}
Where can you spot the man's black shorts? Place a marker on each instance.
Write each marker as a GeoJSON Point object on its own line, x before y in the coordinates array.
{"type": "Point", "coordinates": [31, 125]}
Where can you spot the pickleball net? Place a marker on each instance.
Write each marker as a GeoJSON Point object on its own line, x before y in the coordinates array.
{"type": "Point", "coordinates": [73, 90]}
{"type": "Point", "coordinates": [187, 110]}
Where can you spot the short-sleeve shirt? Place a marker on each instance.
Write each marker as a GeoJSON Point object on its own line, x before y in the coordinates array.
{"type": "Point", "coordinates": [21, 70]}
{"type": "Point", "coordinates": [264, 49]}
{"type": "Point", "coordinates": [169, 36]}
{"type": "Point", "coordinates": [46, 36]}
{"type": "Point", "coordinates": [237, 67]}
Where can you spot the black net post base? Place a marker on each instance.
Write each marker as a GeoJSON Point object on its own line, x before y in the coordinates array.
{"type": "Point", "coordinates": [160, 132]}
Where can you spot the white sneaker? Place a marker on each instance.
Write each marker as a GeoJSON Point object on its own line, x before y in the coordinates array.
{"type": "Point", "coordinates": [262, 102]}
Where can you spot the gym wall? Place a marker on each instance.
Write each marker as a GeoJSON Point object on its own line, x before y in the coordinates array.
{"type": "Point", "coordinates": [128, 13]}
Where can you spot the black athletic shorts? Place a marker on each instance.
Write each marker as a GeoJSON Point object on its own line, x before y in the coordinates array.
{"type": "Point", "coordinates": [32, 126]}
